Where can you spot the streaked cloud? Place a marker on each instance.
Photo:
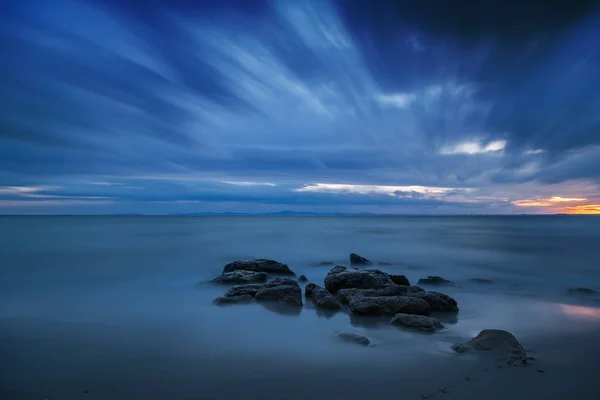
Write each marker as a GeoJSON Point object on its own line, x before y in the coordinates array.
{"type": "Point", "coordinates": [548, 202]}
{"type": "Point", "coordinates": [474, 147]}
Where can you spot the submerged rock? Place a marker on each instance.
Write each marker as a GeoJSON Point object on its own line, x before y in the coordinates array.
{"type": "Point", "coordinates": [241, 277]}
{"type": "Point", "coordinates": [493, 340]}
{"type": "Point", "coordinates": [326, 263]}
{"type": "Point", "coordinates": [399, 280]}
{"type": "Point", "coordinates": [346, 295]}
{"type": "Point", "coordinates": [354, 338]}
{"type": "Point", "coordinates": [282, 282]}
{"type": "Point", "coordinates": [343, 278]}
{"type": "Point", "coordinates": [434, 280]}
{"type": "Point", "coordinates": [480, 281]}
{"type": "Point", "coordinates": [321, 298]}
{"type": "Point", "coordinates": [309, 289]}
{"type": "Point", "coordinates": [302, 278]}
{"type": "Point", "coordinates": [286, 295]}
{"type": "Point", "coordinates": [355, 259]}
{"type": "Point", "coordinates": [243, 290]}
{"type": "Point", "coordinates": [581, 290]}
{"type": "Point", "coordinates": [391, 305]}
{"type": "Point", "coordinates": [438, 301]}
{"type": "Point", "coordinates": [418, 322]}
{"type": "Point", "coordinates": [259, 265]}
{"type": "Point", "coordinates": [245, 298]}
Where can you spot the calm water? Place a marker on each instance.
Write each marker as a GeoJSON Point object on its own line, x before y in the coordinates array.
{"type": "Point", "coordinates": [93, 303]}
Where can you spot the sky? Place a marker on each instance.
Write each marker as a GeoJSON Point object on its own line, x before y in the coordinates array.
{"type": "Point", "coordinates": [429, 107]}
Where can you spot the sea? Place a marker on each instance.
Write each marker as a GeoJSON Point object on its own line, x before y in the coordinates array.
{"type": "Point", "coordinates": [119, 306]}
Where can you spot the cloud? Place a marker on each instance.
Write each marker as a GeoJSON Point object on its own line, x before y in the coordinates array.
{"type": "Point", "coordinates": [552, 201]}
{"type": "Point", "coordinates": [474, 147]}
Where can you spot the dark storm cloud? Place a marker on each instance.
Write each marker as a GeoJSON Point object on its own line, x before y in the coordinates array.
{"type": "Point", "coordinates": [486, 96]}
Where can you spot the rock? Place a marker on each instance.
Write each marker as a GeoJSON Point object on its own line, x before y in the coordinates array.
{"type": "Point", "coordinates": [286, 295]}
{"type": "Point", "coordinates": [245, 298]}
{"type": "Point", "coordinates": [438, 301]}
{"type": "Point", "coordinates": [390, 305]}
{"type": "Point", "coordinates": [434, 280]}
{"type": "Point", "coordinates": [582, 291]}
{"type": "Point", "coordinates": [354, 338]}
{"type": "Point", "coordinates": [418, 322]}
{"type": "Point", "coordinates": [302, 278]}
{"type": "Point", "coordinates": [391, 290]}
{"type": "Point", "coordinates": [281, 282]}
{"type": "Point", "coordinates": [309, 289]}
{"type": "Point", "coordinates": [259, 265]}
{"type": "Point", "coordinates": [241, 277]}
{"type": "Point", "coordinates": [326, 263]}
{"type": "Point", "coordinates": [399, 280]}
{"type": "Point", "coordinates": [243, 290]}
{"type": "Point", "coordinates": [321, 298]}
{"type": "Point", "coordinates": [342, 278]}
{"type": "Point", "coordinates": [480, 281]}
{"type": "Point", "coordinates": [493, 340]}
{"type": "Point", "coordinates": [355, 259]}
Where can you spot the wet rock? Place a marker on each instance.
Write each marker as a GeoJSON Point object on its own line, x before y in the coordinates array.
{"type": "Point", "coordinates": [259, 265]}
{"type": "Point", "coordinates": [438, 301]}
{"type": "Point", "coordinates": [245, 298]}
{"type": "Point", "coordinates": [495, 340]}
{"type": "Point", "coordinates": [355, 259]}
{"type": "Point", "coordinates": [287, 295]}
{"type": "Point", "coordinates": [322, 299]}
{"type": "Point", "coordinates": [391, 305]}
{"type": "Point", "coordinates": [346, 295]}
{"type": "Point", "coordinates": [243, 290]}
{"type": "Point", "coordinates": [581, 290]}
{"type": "Point", "coordinates": [399, 280]}
{"type": "Point", "coordinates": [326, 263]}
{"type": "Point", "coordinates": [241, 277]}
{"type": "Point", "coordinates": [434, 280]}
{"type": "Point", "coordinates": [417, 322]}
{"type": "Point", "coordinates": [309, 289]}
{"type": "Point", "coordinates": [480, 281]}
{"type": "Point", "coordinates": [281, 282]}
{"type": "Point", "coordinates": [354, 338]}
{"type": "Point", "coordinates": [342, 278]}
{"type": "Point", "coordinates": [302, 278]}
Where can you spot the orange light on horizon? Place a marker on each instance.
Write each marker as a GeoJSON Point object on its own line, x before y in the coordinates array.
{"type": "Point", "coordinates": [582, 209]}
{"type": "Point", "coordinates": [552, 201]}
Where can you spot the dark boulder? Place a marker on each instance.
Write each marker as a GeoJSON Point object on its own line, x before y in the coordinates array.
{"type": "Point", "coordinates": [302, 278]}
{"type": "Point", "coordinates": [417, 322]}
{"type": "Point", "coordinates": [243, 290]}
{"type": "Point", "coordinates": [322, 299]}
{"type": "Point", "coordinates": [390, 305]}
{"type": "Point", "coordinates": [399, 279]}
{"type": "Point", "coordinates": [245, 298]}
{"type": "Point", "coordinates": [287, 295]}
{"type": "Point", "coordinates": [309, 289]}
{"type": "Point", "coordinates": [346, 295]}
{"type": "Point", "coordinates": [434, 280]}
{"type": "Point", "coordinates": [355, 259]}
{"type": "Point", "coordinates": [494, 340]}
{"type": "Point", "coordinates": [259, 265]}
{"type": "Point", "coordinates": [342, 278]}
{"type": "Point", "coordinates": [241, 277]}
{"type": "Point", "coordinates": [438, 301]}
{"type": "Point", "coordinates": [282, 282]}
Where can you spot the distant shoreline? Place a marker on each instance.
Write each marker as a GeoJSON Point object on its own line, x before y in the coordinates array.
{"type": "Point", "coordinates": [295, 214]}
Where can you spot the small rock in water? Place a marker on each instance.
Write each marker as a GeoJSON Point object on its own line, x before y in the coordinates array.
{"type": "Point", "coordinates": [282, 282]}
{"type": "Point", "coordinates": [326, 263]}
{"type": "Point", "coordinates": [243, 289]}
{"type": "Point", "coordinates": [493, 340]}
{"type": "Point", "coordinates": [390, 305]}
{"type": "Point", "coordinates": [399, 280]}
{"type": "Point", "coordinates": [309, 289]}
{"type": "Point", "coordinates": [343, 278]}
{"type": "Point", "coordinates": [434, 280]}
{"type": "Point", "coordinates": [438, 301]}
{"type": "Point", "coordinates": [241, 277]}
{"type": "Point", "coordinates": [245, 298]}
{"type": "Point", "coordinates": [346, 295]}
{"type": "Point", "coordinates": [286, 295]}
{"type": "Point", "coordinates": [418, 322]}
{"type": "Point", "coordinates": [355, 259]}
{"type": "Point", "coordinates": [321, 298]}
{"type": "Point", "coordinates": [582, 291]}
{"type": "Point", "coordinates": [259, 265]}
{"type": "Point", "coordinates": [302, 278]}
{"type": "Point", "coordinates": [480, 281]}
{"type": "Point", "coordinates": [354, 338]}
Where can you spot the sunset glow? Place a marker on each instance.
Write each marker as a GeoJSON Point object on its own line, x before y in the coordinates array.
{"type": "Point", "coordinates": [582, 209]}
{"type": "Point", "coordinates": [552, 201]}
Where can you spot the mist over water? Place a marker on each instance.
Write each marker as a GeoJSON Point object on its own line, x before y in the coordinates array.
{"type": "Point", "coordinates": [108, 301]}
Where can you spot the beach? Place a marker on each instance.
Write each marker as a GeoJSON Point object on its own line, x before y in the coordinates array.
{"type": "Point", "coordinates": [111, 308]}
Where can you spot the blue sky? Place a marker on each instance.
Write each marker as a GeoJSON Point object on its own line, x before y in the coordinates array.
{"type": "Point", "coordinates": [325, 106]}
